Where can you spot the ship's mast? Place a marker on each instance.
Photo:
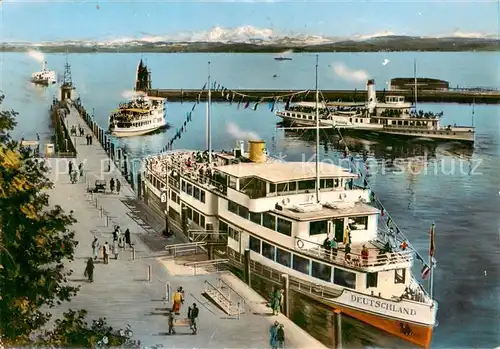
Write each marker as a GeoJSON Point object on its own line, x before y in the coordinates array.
{"type": "Point", "coordinates": [208, 121]}
{"type": "Point", "coordinates": [317, 133]}
{"type": "Point", "coordinates": [415, 82]}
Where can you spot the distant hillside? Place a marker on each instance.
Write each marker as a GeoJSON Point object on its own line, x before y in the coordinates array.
{"type": "Point", "coordinates": [382, 43]}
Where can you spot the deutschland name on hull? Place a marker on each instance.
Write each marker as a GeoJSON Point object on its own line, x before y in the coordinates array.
{"type": "Point", "coordinates": [375, 303]}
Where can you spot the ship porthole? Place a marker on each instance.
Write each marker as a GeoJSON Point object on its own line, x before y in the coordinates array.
{"type": "Point", "coordinates": [300, 244]}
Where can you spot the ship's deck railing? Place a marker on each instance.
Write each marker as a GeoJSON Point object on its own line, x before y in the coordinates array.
{"type": "Point", "coordinates": [354, 259]}
{"type": "Point", "coordinates": [429, 127]}
{"type": "Point", "coordinates": [191, 172]}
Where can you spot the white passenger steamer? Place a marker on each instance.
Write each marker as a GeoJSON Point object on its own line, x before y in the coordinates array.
{"type": "Point", "coordinates": [142, 115]}
{"type": "Point", "coordinates": [286, 215]}
{"type": "Point", "coordinates": [393, 116]}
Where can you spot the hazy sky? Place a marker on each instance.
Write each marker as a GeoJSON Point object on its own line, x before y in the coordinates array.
{"type": "Point", "coordinates": [36, 20]}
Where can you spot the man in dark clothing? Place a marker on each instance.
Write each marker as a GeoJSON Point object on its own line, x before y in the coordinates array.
{"type": "Point", "coordinates": [118, 186]}
{"type": "Point", "coordinates": [193, 316]}
{"type": "Point", "coordinates": [112, 185]}
{"type": "Point", "coordinates": [89, 270]}
{"type": "Point", "coordinates": [70, 167]}
{"type": "Point", "coordinates": [127, 238]}
{"type": "Point", "coordinates": [280, 337]}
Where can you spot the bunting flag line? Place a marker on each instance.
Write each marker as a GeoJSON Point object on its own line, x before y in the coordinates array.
{"type": "Point", "coordinates": [393, 229]}
{"type": "Point", "coordinates": [187, 120]}
{"type": "Point", "coordinates": [245, 99]}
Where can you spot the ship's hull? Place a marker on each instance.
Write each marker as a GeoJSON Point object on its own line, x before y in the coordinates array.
{"type": "Point", "coordinates": [408, 320]}
{"type": "Point", "coordinates": [44, 82]}
{"type": "Point", "coordinates": [418, 334]}
{"type": "Point", "coordinates": [443, 135]}
{"type": "Point", "coordinates": [131, 132]}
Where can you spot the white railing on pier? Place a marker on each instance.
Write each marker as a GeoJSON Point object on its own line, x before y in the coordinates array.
{"type": "Point", "coordinates": [374, 260]}
{"type": "Point", "coordinates": [182, 249]}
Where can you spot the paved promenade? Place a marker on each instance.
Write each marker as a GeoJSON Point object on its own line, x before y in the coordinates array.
{"type": "Point", "coordinates": [120, 291]}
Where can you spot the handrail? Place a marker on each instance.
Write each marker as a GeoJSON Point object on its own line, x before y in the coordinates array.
{"type": "Point", "coordinates": [206, 263]}
{"type": "Point", "coordinates": [234, 291]}
{"type": "Point", "coordinates": [353, 259]}
{"type": "Point", "coordinates": [227, 308]}
{"type": "Point", "coordinates": [184, 247]}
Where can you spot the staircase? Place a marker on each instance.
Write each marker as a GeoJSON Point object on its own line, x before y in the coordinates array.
{"type": "Point", "coordinates": [221, 296]}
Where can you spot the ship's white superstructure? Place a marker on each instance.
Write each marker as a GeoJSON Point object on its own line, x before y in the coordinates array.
{"type": "Point", "coordinates": [44, 77]}
{"type": "Point", "coordinates": [142, 115]}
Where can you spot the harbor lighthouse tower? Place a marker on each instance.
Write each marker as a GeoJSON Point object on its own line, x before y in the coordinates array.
{"type": "Point", "coordinates": [372, 95]}
{"type": "Point", "coordinates": [66, 89]}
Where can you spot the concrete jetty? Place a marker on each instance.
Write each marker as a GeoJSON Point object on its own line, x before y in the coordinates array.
{"type": "Point", "coordinates": [135, 292]}
{"type": "Point", "coordinates": [431, 96]}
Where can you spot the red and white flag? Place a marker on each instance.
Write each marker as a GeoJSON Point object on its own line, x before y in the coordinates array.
{"type": "Point", "coordinates": [425, 272]}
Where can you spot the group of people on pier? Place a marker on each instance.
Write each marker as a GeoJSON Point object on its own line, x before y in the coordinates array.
{"type": "Point", "coordinates": [120, 241]}
{"type": "Point", "coordinates": [192, 314]}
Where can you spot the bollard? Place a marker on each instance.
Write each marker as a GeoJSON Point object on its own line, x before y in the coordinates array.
{"type": "Point", "coordinates": [95, 202]}
{"type": "Point", "coordinates": [285, 282]}
{"type": "Point", "coordinates": [101, 211]}
{"type": "Point", "coordinates": [337, 327]}
{"type": "Point", "coordinates": [107, 221]}
{"type": "Point", "coordinates": [239, 310]}
{"type": "Point", "coordinates": [149, 272]}
{"type": "Point", "coordinates": [132, 253]}
{"type": "Point", "coordinates": [139, 186]}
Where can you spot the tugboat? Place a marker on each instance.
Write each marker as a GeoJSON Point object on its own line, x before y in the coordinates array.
{"type": "Point", "coordinates": [44, 77]}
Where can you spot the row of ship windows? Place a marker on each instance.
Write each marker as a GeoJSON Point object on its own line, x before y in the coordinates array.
{"type": "Point", "coordinates": [195, 216]}
{"type": "Point", "coordinates": [193, 190]}
{"type": "Point", "coordinates": [265, 219]}
{"type": "Point", "coordinates": [315, 269]}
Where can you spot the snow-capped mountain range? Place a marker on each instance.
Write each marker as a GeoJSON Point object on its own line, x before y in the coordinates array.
{"type": "Point", "coordinates": [244, 34]}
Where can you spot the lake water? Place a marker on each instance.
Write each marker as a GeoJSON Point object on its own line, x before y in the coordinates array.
{"type": "Point", "coordinates": [455, 187]}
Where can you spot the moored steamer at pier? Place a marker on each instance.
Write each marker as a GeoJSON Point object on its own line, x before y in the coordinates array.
{"type": "Point", "coordinates": [333, 250]}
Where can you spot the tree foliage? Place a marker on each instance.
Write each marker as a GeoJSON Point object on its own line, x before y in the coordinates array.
{"type": "Point", "coordinates": [35, 243]}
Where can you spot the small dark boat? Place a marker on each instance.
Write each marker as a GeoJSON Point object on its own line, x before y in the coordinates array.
{"type": "Point", "coordinates": [281, 58]}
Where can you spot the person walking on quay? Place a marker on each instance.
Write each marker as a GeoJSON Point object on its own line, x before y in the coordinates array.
{"type": "Point", "coordinates": [73, 176]}
{"type": "Point", "coordinates": [70, 167]}
{"type": "Point", "coordinates": [115, 233]}
{"type": "Point", "coordinates": [105, 252]}
{"type": "Point", "coordinates": [276, 302]}
{"type": "Point", "coordinates": [127, 238]}
{"type": "Point", "coordinates": [273, 335]}
{"type": "Point", "coordinates": [118, 186]}
{"type": "Point", "coordinates": [80, 169]}
{"type": "Point", "coordinates": [114, 248]}
{"type": "Point", "coordinates": [95, 248]}
{"type": "Point", "coordinates": [280, 337]}
{"type": "Point", "coordinates": [171, 320]}
{"type": "Point", "coordinates": [88, 140]}
{"type": "Point", "coordinates": [112, 185]}
{"type": "Point", "coordinates": [89, 270]}
{"type": "Point", "coordinates": [192, 316]}
{"type": "Point", "coordinates": [178, 300]}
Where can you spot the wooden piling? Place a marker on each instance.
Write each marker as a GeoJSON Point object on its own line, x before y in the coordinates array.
{"type": "Point", "coordinates": [139, 186]}
{"type": "Point", "coordinates": [285, 284]}
{"type": "Point", "coordinates": [125, 167]}
{"type": "Point", "coordinates": [337, 325]}
{"type": "Point", "coordinates": [132, 183]}
{"type": "Point", "coordinates": [248, 277]}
